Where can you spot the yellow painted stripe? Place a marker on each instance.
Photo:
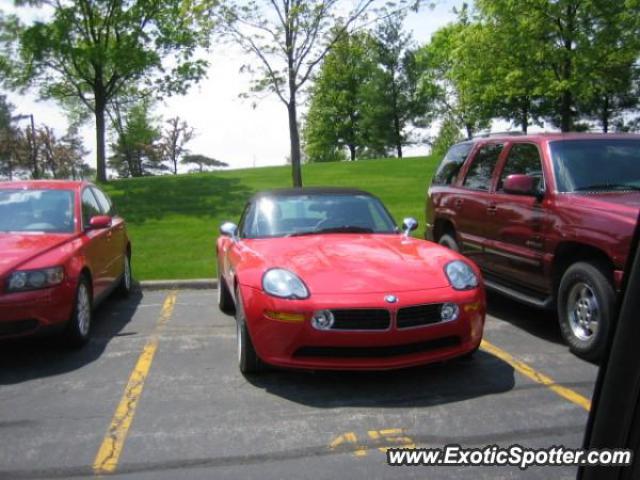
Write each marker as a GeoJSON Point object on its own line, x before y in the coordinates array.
{"type": "Point", "coordinates": [536, 376]}
{"type": "Point", "coordinates": [108, 455]}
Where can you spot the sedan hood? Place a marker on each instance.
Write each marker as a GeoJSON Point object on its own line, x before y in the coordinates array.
{"type": "Point", "coordinates": [348, 263]}
{"type": "Point", "coordinates": [17, 249]}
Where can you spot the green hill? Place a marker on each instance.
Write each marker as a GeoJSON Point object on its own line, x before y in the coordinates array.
{"type": "Point", "coordinates": [173, 220]}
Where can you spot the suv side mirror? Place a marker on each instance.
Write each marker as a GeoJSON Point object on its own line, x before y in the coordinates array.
{"type": "Point", "coordinates": [519, 184]}
{"type": "Point", "coordinates": [229, 229]}
{"type": "Point", "coordinates": [99, 221]}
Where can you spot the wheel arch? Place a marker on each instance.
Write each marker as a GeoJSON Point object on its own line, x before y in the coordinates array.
{"type": "Point", "coordinates": [568, 253]}
{"type": "Point", "coordinates": [442, 226]}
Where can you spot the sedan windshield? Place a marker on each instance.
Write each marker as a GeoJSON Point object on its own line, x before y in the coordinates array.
{"type": "Point", "coordinates": [313, 214]}
{"type": "Point", "coordinates": [36, 211]}
{"type": "Point", "coordinates": [596, 165]}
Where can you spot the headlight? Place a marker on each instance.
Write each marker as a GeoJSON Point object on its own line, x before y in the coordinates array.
{"type": "Point", "coordinates": [35, 279]}
{"type": "Point", "coordinates": [461, 275]}
{"type": "Point", "coordinates": [284, 284]}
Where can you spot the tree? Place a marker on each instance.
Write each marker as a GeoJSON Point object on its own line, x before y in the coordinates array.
{"type": "Point", "coordinates": [289, 38]}
{"type": "Point", "coordinates": [62, 157]}
{"type": "Point", "coordinates": [334, 116]}
{"type": "Point", "coordinates": [174, 140]}
{"type": "Point", "coordinates": [136, 149]}
{"type": "Point", "coordinates": [448, 135]}
{"type": "Point", "coordinates": [202, 161]}
{"type": "Point", "coordinates": [90, 51]}
{"type": "Point", "coordinates": [7, 165]}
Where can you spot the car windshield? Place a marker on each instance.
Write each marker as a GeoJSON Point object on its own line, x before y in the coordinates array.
{"type": "Point", "coordinates": [596, 165]}
{"type": "Point", "coordinates": [36, 211]}
{"type": "Point", "coordinates": [313, 214]}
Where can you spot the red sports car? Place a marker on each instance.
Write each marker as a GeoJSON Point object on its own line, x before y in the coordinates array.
{"type": "Point", "coordinates": [63, 250]}
{"type": "Point", "coordinates": [322, 278]}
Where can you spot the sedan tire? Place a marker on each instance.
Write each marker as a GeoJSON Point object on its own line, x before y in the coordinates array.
{"type": "Point", "coordinates": [79, 327]}
{"type": "Point", "coordinates": [126, 283]}
{"type": "Point", "coordinates": [586, 305]}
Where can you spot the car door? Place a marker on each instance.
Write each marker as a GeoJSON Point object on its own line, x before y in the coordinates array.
{"type": "Point", "coordinates": [516, 223]}
{"type": "Point", "coordinates": [473, 199]}
{"type": "Point", "coordinates": [97, 243]}
{"type": "Point", "coordinates": [116, 238]}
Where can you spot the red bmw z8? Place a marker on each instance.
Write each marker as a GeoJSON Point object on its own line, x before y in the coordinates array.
{"type": "Point", "coordinates": [322, 278]}
{"type": "Point", "coordinates": [62, 250]}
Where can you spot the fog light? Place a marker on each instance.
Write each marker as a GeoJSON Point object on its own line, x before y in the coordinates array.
{"type": "Point", "coordinates": [449, 311]}
{"type": "Point", "coordinates": [322, 320]}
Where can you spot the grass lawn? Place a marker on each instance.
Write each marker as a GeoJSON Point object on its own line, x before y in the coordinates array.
{"type": "Point", "coordinates": [173, 220]}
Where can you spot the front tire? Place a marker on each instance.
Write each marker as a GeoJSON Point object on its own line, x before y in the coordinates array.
{"type": "Point", "coordinates": [248, 360]}
{"type": "Point", "coordinates": [449, 241]}
{"type": "Point", "coordinates": [586, 305]}
{"type": "Point", "coordinates": [78, 329]}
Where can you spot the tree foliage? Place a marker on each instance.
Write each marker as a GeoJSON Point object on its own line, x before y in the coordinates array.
{"type": "Point", "coordinates": [173, 144]}
{"type": "Point", "coordinates": [202, 162]}
{"type": "Point", "coordinates": [90, 51]}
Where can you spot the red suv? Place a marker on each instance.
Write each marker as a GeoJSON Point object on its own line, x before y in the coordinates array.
{"type": "Point", "coordinates": [548, 218]}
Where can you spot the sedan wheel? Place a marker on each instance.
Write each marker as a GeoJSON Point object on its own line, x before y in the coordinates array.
{"type": "Point", "coordinates": [127, 278]}
{"type": "Point", "coordinates": [79, 326]}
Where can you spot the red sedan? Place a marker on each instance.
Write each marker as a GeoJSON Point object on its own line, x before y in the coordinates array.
{"type": "Point", "coordinates": [322, 278]}
{"type": "Point", "coordinates": [64, 249]}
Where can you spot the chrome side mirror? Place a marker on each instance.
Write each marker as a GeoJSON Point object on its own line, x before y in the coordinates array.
{"type": "Point", "coordinates": [229, 229]}
{"type": "Point", "coordinates": [409, 224]}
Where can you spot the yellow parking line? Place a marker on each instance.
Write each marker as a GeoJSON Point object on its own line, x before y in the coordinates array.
{"type": "Point", "coordinates": [536, 376]}
{"type": "Point", "coordinates": [108, 455]}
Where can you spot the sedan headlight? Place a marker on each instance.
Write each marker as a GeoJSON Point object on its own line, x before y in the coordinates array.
{"type": "Point", "coordinates": [461, 276]}
{"type": "Point", "coordinates": [284, 284]}
{"type": "Point", "coordinates": [34, 279]}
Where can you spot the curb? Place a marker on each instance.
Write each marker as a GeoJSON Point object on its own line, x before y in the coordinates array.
{"type": "Point", "coordinates": [193, 284]}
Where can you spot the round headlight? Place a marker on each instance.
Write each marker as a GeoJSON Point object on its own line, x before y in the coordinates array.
{"type": "Point", "coordinates": [322, 320]}
{"type": "Point", "coordinates": [461, 276]}
{"type": "Point", "coordinates": [284, 284]}
{"type": "Point", "coordinates": [449, 311]}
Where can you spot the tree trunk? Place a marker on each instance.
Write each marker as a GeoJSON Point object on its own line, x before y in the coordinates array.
{"type": "Point", "coordinates": [524, 115]}
{"type": "Point", "coordinates": [396, 126]}
{"type": "Point", "coordinates": [34, 149]}
{"type": "Point", "coordinates": [101, 163]}
{"type": "Point", "coordinates": [352, 152]}
{"type": "Point", "coordinates": [566, 115]}
{"type": "Point", "coordinates": [566, 101]}
{"type": "Point", "coordinates": [605, 114]}
{"type": "Point", "coordinates": [294, 134]}
{"type": "Point", "coordinates": [469, 128]}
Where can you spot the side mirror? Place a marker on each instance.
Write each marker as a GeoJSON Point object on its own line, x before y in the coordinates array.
{"type": "Point", "coordinates": [100, 221]}
{"type": "Point", "coordinates": [409, 224]}
{"type": "Point", "coordinates": [229, 229]}
{"type": "Point", "coordinates": [520, 185]}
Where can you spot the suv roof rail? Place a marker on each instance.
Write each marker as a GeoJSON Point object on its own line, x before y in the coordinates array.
{"type": "Point", "coordinates": [499, 134]}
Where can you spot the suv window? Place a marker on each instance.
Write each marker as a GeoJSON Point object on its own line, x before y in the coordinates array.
{"type": "Point", "coordinates": [90, 207]}
{"type": "Point", "coordinates": [524, 159]}
{"type": "Point", "coordinates": [103, 200]}
{"type": "Point", "coordinates": [451, 164]}
{"type": "Point", "coordinates": [479, 174]}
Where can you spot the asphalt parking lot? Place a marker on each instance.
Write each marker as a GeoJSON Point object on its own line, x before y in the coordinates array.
{"type": "Point", "coordinates": [157, 394]}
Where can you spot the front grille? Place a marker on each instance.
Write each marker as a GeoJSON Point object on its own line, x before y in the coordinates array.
{"type": "Point", "coordinates": [418, 315]}
{"type": "Point", "coordinates": [17, 327]}
{"type": "Point", "coordinates": [361, 319]}
{"type": "Point", "coordinates": [378, 352]}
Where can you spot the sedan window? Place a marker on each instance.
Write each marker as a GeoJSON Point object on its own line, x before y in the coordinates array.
{"type": "Point", "coordinates": [90, 207]}
{"type": "Point", "coordinates": [105, 204]}
{"type": "Point", "coordinates": [36, 211]}
{"type": "Point", "coordinates": [481, 170]}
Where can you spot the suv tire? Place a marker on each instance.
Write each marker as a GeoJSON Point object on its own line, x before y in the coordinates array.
{"type": "Point", "coordinates": [586, 305]}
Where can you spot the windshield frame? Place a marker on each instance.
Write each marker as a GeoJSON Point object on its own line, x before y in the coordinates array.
{"type": "Point", "coordinates": [249, 212]}
{"type": "Point", "coordinates": [72, 222]}
{"type": "Point", "coordinates": [561, 188]}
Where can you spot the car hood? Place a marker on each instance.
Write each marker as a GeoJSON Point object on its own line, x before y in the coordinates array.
{"type": "Point", "coordinates": [348, 263]}
{"type": "Point", "coordinates": [18, 249]}
{"type": "Point", "coordinates": [617, 206]}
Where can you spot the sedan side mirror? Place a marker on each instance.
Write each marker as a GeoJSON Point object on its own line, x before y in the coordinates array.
{"type": "Point", "coordinates": [99, 222]}
{"type": "Point", "coordinates": [519, 184]}
{"type": "Point", "coordinates": [229, 229]}
{"type": "Point", "coordinates": [409, 224]}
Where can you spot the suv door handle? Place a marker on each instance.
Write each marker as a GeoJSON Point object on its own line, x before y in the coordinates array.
{"type": "Point", "coordinates": [492, 209]}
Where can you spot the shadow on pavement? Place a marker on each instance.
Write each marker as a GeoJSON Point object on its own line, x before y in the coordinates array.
{"type": "Point", "coordinates": [438, 384]}
{"type": "Point", "coordinates": [44, 356]}
{"type": "Point", "coordinates": [541, 323]}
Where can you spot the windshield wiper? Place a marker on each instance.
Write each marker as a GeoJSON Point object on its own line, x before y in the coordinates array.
{"type": "Point", "coordinates": [607, 186]}
{"type": "Point", "coordinates": [341, 229]}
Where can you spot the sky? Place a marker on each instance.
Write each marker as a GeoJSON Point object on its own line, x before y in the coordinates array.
{"type": "Point", "coordinates": [241, 132]}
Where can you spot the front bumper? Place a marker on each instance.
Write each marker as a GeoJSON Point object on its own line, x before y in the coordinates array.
{"type": "Point", "coordinates": [297, 344]}
{"type": "Point", "coordinates": [25, 313]}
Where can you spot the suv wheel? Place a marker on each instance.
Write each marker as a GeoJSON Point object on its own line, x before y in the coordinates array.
{"type": "Point", "coordinates": [449, 241]}
{"type": "Point", "coordinates": [586, 304]}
